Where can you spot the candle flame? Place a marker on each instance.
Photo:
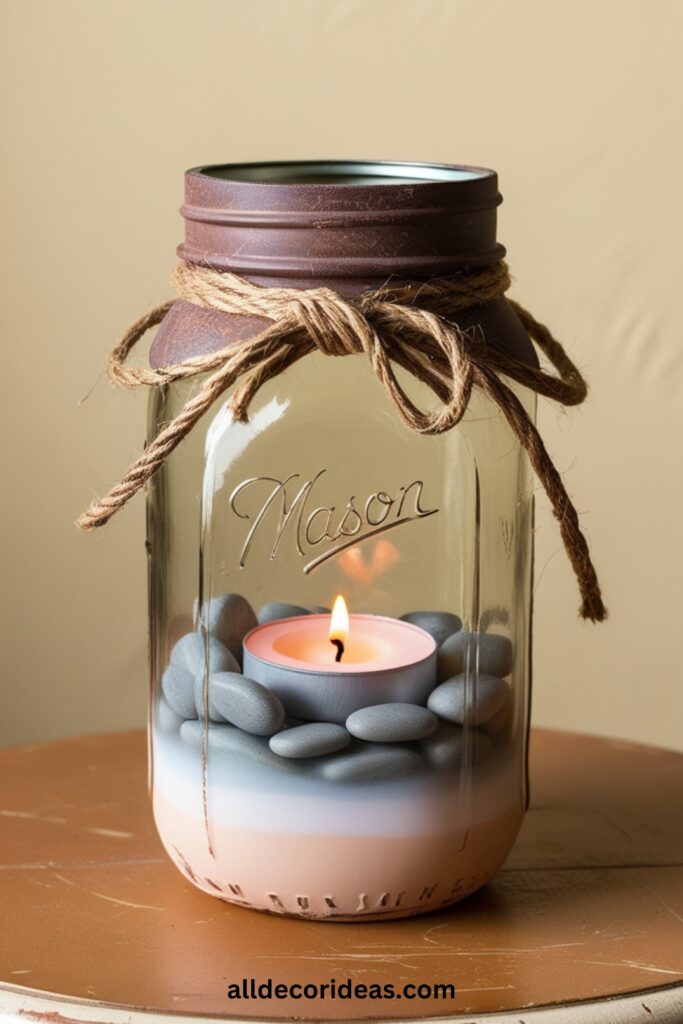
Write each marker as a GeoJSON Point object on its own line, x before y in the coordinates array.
{"type": "Point", "coordinates": [339, 622]}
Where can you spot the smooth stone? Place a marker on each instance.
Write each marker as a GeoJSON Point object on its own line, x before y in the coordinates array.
{"type": "Point", "coordinates": [438, 624]}
{"type": "Point", "coordinates": [166, 720]}
{"type": "Point", "coordinates": [229, 618]}
{"type": "Point", "coordinates": [245, 703]}
{"type": "Point", "coordinates": [177, 684]}
{"type": "Point", "coordinates": [448, 700]}
{"type": "Point", "coordinates": [228, 739]}
{"type": "Point", "coordinates": [280, 610]}
{"type": "Point", "coordinates": [215, 714]}
{"type": "Point", "coordinates": [491, 652]}
{"type": "Point", "coordinates": [320, 609]}
{"type": "Point", "coordinates": [311, 740]}
{"type": "Point", "coordinates": [191, 649]}
{"type": "Point", "coordinates": [500, 726]}
{"type": "Point", "coordinates": [445, 747]}
{"type": "Point", "coordinates": [372, 764]}
{"type": "Point", "coordinates": [391, 723]}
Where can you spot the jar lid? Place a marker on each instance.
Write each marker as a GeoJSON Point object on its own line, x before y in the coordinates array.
{"type": "Point", "coordinates": [345, 224]}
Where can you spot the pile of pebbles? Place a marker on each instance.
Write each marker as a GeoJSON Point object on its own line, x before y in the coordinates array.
{"type": "Point", "coordinates": [376, 742]}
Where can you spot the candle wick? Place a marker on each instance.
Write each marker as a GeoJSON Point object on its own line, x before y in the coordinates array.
{"type": "Point", "coordinates": [340, 649]}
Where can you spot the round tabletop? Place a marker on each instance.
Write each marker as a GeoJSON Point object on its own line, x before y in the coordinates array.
{"type": "Point", "coordinates": [98, 925]}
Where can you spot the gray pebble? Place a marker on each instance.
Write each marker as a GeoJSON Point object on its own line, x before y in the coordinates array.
{"type": "Point", "coordinates": [445, 747]}
{"type": "Point", "coordinates": [166, 720]}
{"type": "Point", "coordinates": [500, 725]}
{"type": "Point", "coordinates": [437, 624]}
{"type": "Point", "coordinates": [214, 711]}
{"type": "Point", "coordinates": [491, 652]}
{"type": "Point", "coordinates": [280, 610]}
{"type": "Point", "coordinates": [191, 650]}
{"type": "Point", "coordinates": [372, 763]}
{"type": "Point", "coordinates": [245, 703]}
{"type": "Point", "coordinates": [229, 618]}
{"type": "Point", "coordinates": [319, 609]}
{"type": "Point", "coordinates": [448, 700]}
{"type": "Point", "coordinates": [230, 740]}
{"type": "Point", "coordinates": [391, 723]}
{"type": "Point", "coordinates": [177, 684]}
{"type": "Point", "coordinates": [311, 740]}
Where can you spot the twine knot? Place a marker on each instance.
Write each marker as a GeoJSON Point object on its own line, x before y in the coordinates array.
{"type": "Point", "coordinates": [336, 327]}
{"type": "Point", "coordinates": [407, 325]}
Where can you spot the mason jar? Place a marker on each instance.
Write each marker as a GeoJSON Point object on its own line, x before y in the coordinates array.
{"type": "Point", "coordinates": [372, 764]}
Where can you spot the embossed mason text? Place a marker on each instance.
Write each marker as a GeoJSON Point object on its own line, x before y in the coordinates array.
{"type": "Point", "coordinates": [281, 509]}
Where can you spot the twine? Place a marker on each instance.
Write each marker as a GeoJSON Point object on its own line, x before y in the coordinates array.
{"type": "Point", "coordinates": [406, 325]}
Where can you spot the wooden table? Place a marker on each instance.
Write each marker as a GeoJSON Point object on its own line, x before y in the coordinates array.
{"type": "Point", "coordinates": [97, 925]}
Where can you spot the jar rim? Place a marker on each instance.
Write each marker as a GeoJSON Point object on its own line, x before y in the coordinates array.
{"type": "Point", "coordinates": [343, 173]}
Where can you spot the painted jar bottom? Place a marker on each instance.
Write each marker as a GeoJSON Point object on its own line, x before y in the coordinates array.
{"type": "Point", "coordinates": [307, 848]}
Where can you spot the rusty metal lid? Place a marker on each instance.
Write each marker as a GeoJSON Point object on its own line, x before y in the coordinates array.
{"type": "Point", "coordinates": [346, 225]}
{"type": "Point", "coordinates": [341, 223]}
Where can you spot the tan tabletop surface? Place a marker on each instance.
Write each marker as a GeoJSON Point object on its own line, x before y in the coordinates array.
{"type": "Point", "coordinates": [589, 905]}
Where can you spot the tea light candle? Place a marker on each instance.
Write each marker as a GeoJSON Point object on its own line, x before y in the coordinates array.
{"type": "Point", "coordinates": [325, 667]}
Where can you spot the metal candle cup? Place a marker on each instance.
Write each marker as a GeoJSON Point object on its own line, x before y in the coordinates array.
{"type": "Point", "coordinates": [384, 660]}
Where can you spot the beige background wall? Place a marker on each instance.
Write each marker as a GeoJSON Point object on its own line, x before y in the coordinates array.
{"type": "Point", "coordinates": [577, 104]}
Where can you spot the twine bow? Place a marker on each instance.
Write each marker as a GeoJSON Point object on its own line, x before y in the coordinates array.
{"type": "Point", "coordinates": [407, 325]}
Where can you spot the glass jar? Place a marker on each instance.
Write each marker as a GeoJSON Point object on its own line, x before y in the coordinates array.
{"type": "Point", "coordinates": [411, 795]}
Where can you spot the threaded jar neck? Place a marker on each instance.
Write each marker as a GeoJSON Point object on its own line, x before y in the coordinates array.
{"type": "Point", "coordinates": [345, 224]}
